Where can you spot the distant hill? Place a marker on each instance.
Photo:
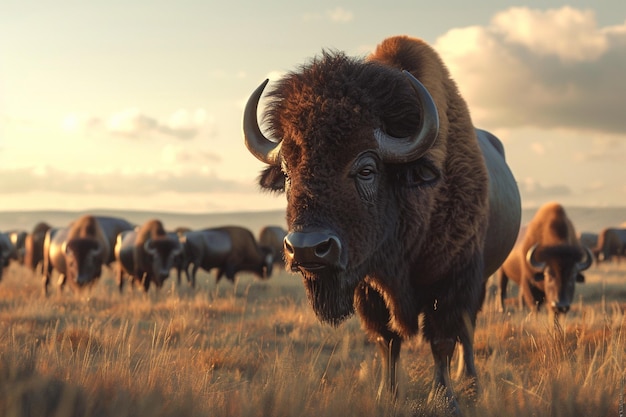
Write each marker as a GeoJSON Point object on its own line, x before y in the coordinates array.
{"type": "Point", "coordinates": [588, 219]}
{"type": "Point", "coordinates": [25, 220]}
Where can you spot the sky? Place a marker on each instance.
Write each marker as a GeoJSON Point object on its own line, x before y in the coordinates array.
{"type": "Point", "coordinates": [138, 104]}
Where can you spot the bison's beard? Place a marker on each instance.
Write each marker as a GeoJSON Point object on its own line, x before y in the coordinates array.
{"type": "Point", "coordinates": [331, 295]}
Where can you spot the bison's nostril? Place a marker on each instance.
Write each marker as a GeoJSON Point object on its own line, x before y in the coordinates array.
{"type": "Point", "coordinates": [323, 249]}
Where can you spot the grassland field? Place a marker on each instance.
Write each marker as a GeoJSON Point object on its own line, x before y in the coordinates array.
{"type": "Point", "coordinates": [255, 348]}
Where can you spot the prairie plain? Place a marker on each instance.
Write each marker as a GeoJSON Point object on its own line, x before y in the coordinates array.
{"type": "Point", "coordinates": [255, 348]}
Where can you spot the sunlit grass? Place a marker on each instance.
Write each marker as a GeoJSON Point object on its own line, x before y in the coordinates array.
{"type": "Point", "coordinates": [256, 349]}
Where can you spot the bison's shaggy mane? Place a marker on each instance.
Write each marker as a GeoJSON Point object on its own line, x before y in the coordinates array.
{"type": "Point", "coordinates": [344, 92]}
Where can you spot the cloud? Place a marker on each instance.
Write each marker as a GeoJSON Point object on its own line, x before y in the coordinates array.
{"type": "Point", "coordinates": [542, 68]}
{"type": "Point", "coordinates": [134, 124]}
{"type": "Point", "coordinates": [49, 179]}
{"type": "Point", "coordinates": [336, 15]}
{"type": "Point", "coordinates": [340, 15]}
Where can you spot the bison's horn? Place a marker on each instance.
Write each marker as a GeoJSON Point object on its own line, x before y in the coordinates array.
{"type": "Point", "coordinates": [587, 260]}
{"type": "Point", "coordinates": [532, 262]}
{"type": "Point", "coordinates": [98, 250]}
{"type": "Point", "coordinates": [402, 150]}
{"type": "Point", "coordinates": [147, 246]}
{"type": "Point", "coordinates": [261, 147]}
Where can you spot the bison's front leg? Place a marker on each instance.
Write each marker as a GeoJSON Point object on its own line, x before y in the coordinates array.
{"type": "Point", "coordinates": [375, 318]}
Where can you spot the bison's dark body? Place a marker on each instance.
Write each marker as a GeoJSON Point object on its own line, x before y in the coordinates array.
{"type": "Point", "coordinates": [230, 249]}
{"type": "Point", "coordinates": [146, 254]}
{"type": "Point", "coordinates": [546, 262]}
{"type": "Point", "coordinates": [271, 237]}
{"type": "Point", "coordinates": [79, 251]}
{"type": "Point", "coordinates": [33, 245]}
{"type": "Point", "coordinates": [392, 227]}
{"type": "Point", "coordinates": [611, 244]}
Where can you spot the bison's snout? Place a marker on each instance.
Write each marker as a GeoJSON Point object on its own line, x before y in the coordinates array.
{"type": "Point", "coordinates": [560, 308]}
{"type": "Point", "coordinates": [313, 251]}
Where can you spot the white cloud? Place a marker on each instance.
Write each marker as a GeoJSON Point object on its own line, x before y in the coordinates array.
{"type": "Point", "coordinates": [541, 68]}
{"type": "Point", "coordinates": [133, 123]}
{"type": "Point", "coordinates": [340, 15]}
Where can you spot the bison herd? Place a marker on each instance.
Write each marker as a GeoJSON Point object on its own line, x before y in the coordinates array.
{"type": "Point", "coordinates": [143, 254]}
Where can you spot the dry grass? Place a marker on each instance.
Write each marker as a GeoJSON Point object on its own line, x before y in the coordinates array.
{"type": "Point", "coordinates": [256, 349]}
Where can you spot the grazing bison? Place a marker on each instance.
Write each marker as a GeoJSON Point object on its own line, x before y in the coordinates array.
{"type": "Point", "coordinates": [271, 237]}
{"type": "Point", "coordinates": [588, 240]}
{"type": "Point", "coordinates": [547, 261]}
{"type": "Point", "coordinates": [79, 251]}
{"type": "Point", "coordinates": [230, 249]}
{"type": "Point", "coordinates": [611, 243]}
{"type": "Point", "coordinates": [396, 205]}
{"type": "Point", "coordinates": [33, 245]}
{"type": "Point", "coordinates": [147, 254]}
{"type": "Point", "coordinates": [7, 252]}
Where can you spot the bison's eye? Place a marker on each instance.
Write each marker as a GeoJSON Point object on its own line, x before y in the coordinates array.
{"type": "Point", "coordinates": [273, 179]}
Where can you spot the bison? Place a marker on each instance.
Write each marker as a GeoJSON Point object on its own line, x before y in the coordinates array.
{"type": "Point", "coordinates": [546, 262]}
{"type": "Point", "coordinates": [396, 205]}
{"type": "Point", "coordinates": [79, 250]}
{"type": "Point", "coordinates": [611, 243]}
{"type": "Point", "coordinates": [7, 252]}
{"type": "Point", "coordinates": [271, 237]}
{"type": "Point", "coordinates": [147, 254]}
{"type": "Point", "coordinates": [33, 246]}
{"type": "Point", "coordinates": [230, 249]}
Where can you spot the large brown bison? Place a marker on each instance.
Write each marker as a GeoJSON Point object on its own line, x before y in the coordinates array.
{"type": "Point", "coordinates": [79, 250]}
{"type": "Point", "coordinates": [230, 249]}
{"type": "Point", "coordinates": [547, 261]}
{"type": "Point", "coordinates": [611, 244]}
{"type": "Point", "coordinates": [147, 254]}
{"type": "Point", "coordinates": [396, 205]}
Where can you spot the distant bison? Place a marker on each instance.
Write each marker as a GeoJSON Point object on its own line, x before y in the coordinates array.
{"type": "Point", "coordinates": [547, 261]}
{"type": "Point", "coordinates": [611, 244]}
{"type": "Point", "coordinates": [78, 252]}
{"type": "Point", "coordinates": [147, 254]}
{"type": "Point", "coordinates": [271, 237]}
{"type": "Point", "coordinates": [588, 239]}
{"type": "Point", "coordinates": [230, 249]}
{"type": "Point", "coordinates": [33, 246]}
{"type": "Point", "coordinates": [7, 252]}
{"type": "Point", "coordinates": [397, 207]}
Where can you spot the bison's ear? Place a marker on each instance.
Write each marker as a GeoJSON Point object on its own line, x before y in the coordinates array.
{"type": "Point", "coordinates": [272, 179]}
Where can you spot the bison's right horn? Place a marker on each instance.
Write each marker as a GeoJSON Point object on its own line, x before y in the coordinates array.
{"type": "Point", "coordinates": [532, 262]}
{"type": "Point", "coordinates": [585, 263]}
{"type": "Point", "coordinates": [261, 147]}
{"type": "Point", "coordinates": [402, 150]}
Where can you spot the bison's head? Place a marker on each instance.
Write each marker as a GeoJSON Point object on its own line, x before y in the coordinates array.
{"type": "Point", "coordinates": [350, 142]}
{"type": "Point", "coordinates": [557, 269]}
{"type": "Point", "coordinates": [163, 254]}
{"type": "Point", "coordinates": [83, 260]}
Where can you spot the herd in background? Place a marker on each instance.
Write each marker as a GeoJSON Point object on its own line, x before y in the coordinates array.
{"type": "Point", "coordinates": [142, 254]}
{"type": "Point", "coordinates": [547, 261]}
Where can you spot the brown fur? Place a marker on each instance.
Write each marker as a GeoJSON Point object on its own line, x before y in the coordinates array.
{"type": "Point", "coordinates": [86, 229]}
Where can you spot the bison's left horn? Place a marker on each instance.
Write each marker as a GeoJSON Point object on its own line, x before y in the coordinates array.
{"type": "Point", "coordinates": [587, 260]}
{"type": "Point", "coordinates": [261, 147]}
{"type": "Point", "coordinates": [147, 246]}
{"type": "Point", "coordinates": [532, 262]}
{"type": "Point", "coordinates": [402, 150]}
